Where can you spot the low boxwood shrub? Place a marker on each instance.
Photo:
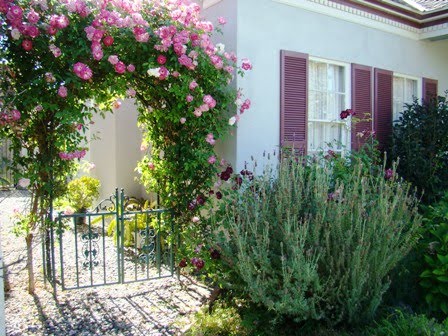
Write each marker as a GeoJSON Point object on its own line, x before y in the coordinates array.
{"type": "Point", "coordinates": [310, 246]}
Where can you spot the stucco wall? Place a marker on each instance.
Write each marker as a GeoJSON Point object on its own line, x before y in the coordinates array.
{"type": "Point", "coordinates": [116, 150]}
{"type": "Point", "coordinates": [228, 10]}
{"type": "Point", "coordinates": [265, 27]}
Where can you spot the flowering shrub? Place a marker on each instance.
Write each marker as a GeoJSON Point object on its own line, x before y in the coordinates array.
{"type": "Point", "coordinates": [309, 245]}
{"type": "Point", "coordinates": [61, 61]}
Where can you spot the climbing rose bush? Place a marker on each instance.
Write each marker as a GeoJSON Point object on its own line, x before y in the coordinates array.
{"type": "Point", "coordinates": [62, 61]}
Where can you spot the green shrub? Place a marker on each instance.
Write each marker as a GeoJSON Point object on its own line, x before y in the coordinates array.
{"type": "Point", "coordinates": [312, 247]}
{"type": "Point", "coordinates": [434, 279]}
{"type": "Point", "coordinates": [82, 192]}
{"type": "Point", "coordinates": [403, 324]}
{"type": "Point", "coordinates": [420, 141]}
{"type": "Point", "coordinates": [222, 321]}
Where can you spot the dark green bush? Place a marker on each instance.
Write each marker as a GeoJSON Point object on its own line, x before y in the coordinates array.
{"type": "Point", "coordinates": [312, 247]}
{"type": "Point", "coordinates": [420, 142]}
{"type": "Point", "coordinates": [434, 278]}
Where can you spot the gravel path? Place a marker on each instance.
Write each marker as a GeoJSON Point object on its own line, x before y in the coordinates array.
{"type": "Point", "coordinates": [157, 307]}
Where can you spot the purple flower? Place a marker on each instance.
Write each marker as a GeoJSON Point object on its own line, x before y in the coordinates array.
{"type": "Point", "coordinates": [389, 174]}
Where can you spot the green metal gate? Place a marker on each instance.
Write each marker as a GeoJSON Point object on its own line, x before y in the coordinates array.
{"type": "Point", "coordinates": [118, 242]}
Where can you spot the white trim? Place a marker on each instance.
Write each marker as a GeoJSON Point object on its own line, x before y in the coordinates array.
{"type": "Point", "coordinates": [354, 15]}
{"type": "Point", "coordinates": [367, 19]}
{"type": "Point", "coordinates": [209, 3]}
{"type": "Point", "coordinates": [415, 5]}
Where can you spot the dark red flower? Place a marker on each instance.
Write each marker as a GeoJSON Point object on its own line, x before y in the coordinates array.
{"type": "Point", "coordinates": [183, 263]}
{"type": "Point", "coordinates": [200, 200]}
{"type": "Point", "coordinates": [198, 263]}
{"type": "Point", "coordinates": [192, 205]}
{"type": "Point", "coordinates": [214, 254]}
{"type": "Point", "coordinates": [224, 175]}
{"type": "Point", "coordinates": [218, 195]}
{"type": "Point", "coordinates": [344, 114]}
{"type": "Point", "coordinates": [108, 41]}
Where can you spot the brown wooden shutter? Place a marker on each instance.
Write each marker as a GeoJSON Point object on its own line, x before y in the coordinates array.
{"type": "Point", "coordinates": [429, 89]}
{"type": "Point", "coordinates": [383, 108]}
{"type": "Point", "coordinates": [361, 103]}
{"type": "Point", "coordinates": [293, 100]}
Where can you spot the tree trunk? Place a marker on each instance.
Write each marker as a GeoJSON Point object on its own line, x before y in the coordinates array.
{"type": "Point", "coordinates": [29, 263]}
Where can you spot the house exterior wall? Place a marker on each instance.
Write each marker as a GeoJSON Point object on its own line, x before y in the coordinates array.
{"type": "Point", "coordinates": [265, 27]}
{"type": "Point", "coordinates": [227, 9]}
{"type": "Point", "coordinates": [116, 150]}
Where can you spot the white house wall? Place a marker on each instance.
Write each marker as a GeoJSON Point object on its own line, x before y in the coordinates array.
{"type": "Point", "coordinates": [228, 10]}
{"type": "Point", "coordinates": [265, 27]}
{"type": "Point", "coordinates": [117, 151]}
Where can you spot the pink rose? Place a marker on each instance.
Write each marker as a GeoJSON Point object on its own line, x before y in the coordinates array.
{"type": "Point", "coordinates": [62, 91]}
{"type": "Point", "coordinates": [131, 67]}
{"type": "Point", "coordinates": [163, 73]}
{"type": "Point", "coordinates": [209, 101]}
{"type": "Point", "coordinates": [113, 59]}
{"type": "Point", "coordinates": [193, 85]}
{"type": "Point", "coordinates": [246, 65]}
{"type": "Point", "coordinates": [151, 166]}
{"type": "Point", "coordinates": [27, 45]}
{"type": "Point", "coordinates": [189, 98]}
{"type": "Point", "coordinates": [161, 59]}
{"type": "Point", "coordinates": [222, 21]}
{"type": "Point", "coordinates": [108, 41]}
{"type": "Point", "coordinates": [120, 68]}
{"type": "Point", "coordinates": [212, 159]}
{"type": "Point", "coordinates": [183, 120]}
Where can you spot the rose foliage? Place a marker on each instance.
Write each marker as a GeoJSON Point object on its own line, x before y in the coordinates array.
{"type": "Point", "coordinates": [62, 61]}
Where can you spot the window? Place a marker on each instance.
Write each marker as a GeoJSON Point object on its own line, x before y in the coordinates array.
{"type": "Point", "coordinates": [328, 95]}
{"type": "Point", "coordinates": [405, 89]}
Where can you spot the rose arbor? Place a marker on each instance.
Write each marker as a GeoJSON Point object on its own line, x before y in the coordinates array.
{"type": "Point", "coordinates": [62, 61]}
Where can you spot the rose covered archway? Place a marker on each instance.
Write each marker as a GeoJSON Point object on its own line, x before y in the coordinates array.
{"type": "Point", "coordinates": [63, 61]}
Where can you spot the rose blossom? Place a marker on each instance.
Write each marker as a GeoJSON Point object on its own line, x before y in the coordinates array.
{"type": "Point", "coordinates": [62, 91]}
{"type": "Point", "coordinates": [189, 98]}
{"type": "Point", "coordinates": [183, 120]}
{"type": "Point", "coordinates": [193, 85]}
{"type": "Point", "coordinates": [212, 159]}
{"type": "Point", "coordinates": [120, 67]}
{"type": "Point", "coordinates": [246, 65]}
{"type": "Point", "coordinates": [131, 67]}
{"type": "Point", "coordinates": [161, 59]}
{"type": "Point", "coordinates": [27, 45]}
{"type": "Point", "coordinates": [222, 21]}
{"type": "Point", "coordinates": [113, 59]}
{"type": "Point", "coordinates": [108, 41]}
{"type": "Point", "coordinates": [208, 99]}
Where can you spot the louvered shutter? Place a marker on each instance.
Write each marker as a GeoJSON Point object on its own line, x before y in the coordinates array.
{"type": "Point", "coordinates": [361, 103]}
{"type": "Point", "coordinates": [293, 100]}
{"type": "Point", "coordinates": [383, 108]}
{"type": "Point", "coordinates": [429, 89]}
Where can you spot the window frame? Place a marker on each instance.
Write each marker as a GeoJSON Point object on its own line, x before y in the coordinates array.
{"type": "Point", "coordinates": [419, 95]}
{"type": "Point", "coordinates": [348, 101]}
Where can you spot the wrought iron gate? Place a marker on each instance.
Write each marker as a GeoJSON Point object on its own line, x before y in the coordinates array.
{"type": "Point", "coordinates": [118, 242]}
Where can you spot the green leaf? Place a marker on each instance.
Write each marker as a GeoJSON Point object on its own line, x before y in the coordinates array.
{"type": "Point", "coordinates": [442, 278]}
{"type": "Point", "coordinates": [426, 274]}
{"type": "Point", "coordinates": [443, 259]}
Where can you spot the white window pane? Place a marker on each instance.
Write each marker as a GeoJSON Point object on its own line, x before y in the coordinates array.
{"type": "Point", "coordinates": [318, 105]}
{"type": "Point", "coordinates": [318, 76]}
{"type": "Point", "coordinates": [336, 76]}
{"type": "Point", "coordinates": [324, 135]}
